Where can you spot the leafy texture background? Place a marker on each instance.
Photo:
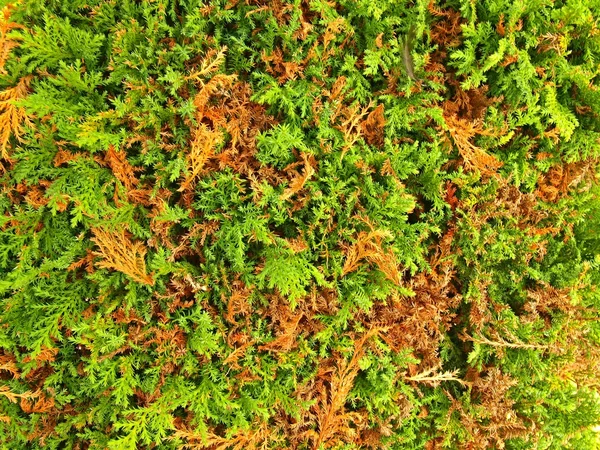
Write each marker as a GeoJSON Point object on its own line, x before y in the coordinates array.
{"type": "Point", "coordinates": [299, 224]}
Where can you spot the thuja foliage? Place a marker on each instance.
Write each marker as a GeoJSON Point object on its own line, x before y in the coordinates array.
{"type": "Point", "coordinates": [299, 224]}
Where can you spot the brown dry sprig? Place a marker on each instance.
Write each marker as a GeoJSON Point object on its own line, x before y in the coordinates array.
{"type": "Point", "coordinates": [333, 421]}
{"type": "Point", "coordinates": [369, 246]}
{"type": "Point", "coordinates": [462, 132]}
{"type": "Point", "coordinates": [119, 252]}
{"type": "Point", "coordinates": [12, 117]}
{"type": "Point", "coordinates": [253, 438]}
{"type": "Point", "coordinates": [7, 43]}
{"type": "Point", "coordinates": [121, 168]}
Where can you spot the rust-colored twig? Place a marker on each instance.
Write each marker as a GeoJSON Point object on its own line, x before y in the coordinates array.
{"type": "Point", "coordinates": [119, 252]}
{"type": "Point", "coordinates": [332, 419]}
{"type": "Point", "coordinates": [12, 117]}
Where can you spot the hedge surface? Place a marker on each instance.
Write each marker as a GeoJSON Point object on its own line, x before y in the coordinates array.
{"type": "Point", "coordinates": [299, 224]}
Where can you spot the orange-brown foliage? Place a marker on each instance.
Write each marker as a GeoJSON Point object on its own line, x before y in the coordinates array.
{"type": "Point", "coordinates": [223, 108]}
{"type": "Point", "coordinates": [581, 358]}
{"type": "Point", "coordinates": [447, 31]}
{"type": "Point", "coordinates": [63, 156]}
{"type": "Point", "coordinates": [368, 246]}
{"type": "Point", "coordinates": [36, 195]}
{"type": "Point", "coordinates": [42, 404]}
{"type": "Point", "coordinates": [450, 195]}
{"type": "Point", "coordinates": [351, 118]}
{"type": "Point", "coordinates": [7, 43]}
{"type": "Point", "coordinates": [334, 29]}
{"type": "Point", "coordinates": [12, 117]}
{"type": "Point", "coordinates": [118, 252]}
{"type": "Point", "coordinates": [283, 70]}
{"type": "Point", "coordinates": [373, 127]}
{"type": "Point", "coordinates": [205, 139]}
{"type": "Point", "coordinates": [434, 377]}
{"type": "Point", "coordinates": [122, 169]}
{"type": "Point", "coordinates": [237, 303]}
{"type": "Point", "coordinates": [553, 41]}
{"type": "Point", "coordinates": [286, 324]}
{"type": "Point", "coordinates": [253, 438]}
{"type": "Point", "coordinates": [298, 179]}
{"type": "Point", "coordinates": [462, 132]}
{"type": "Point", "coordinates": [564, 177]}
{"type": "Point", "coordinates": [87, 261]}
{"type": "Point", "coordinates": [8, 363]}
{"type": "Point", "coordinates": [242, 119]}
{"type": "Point", "coordinates": [494, 420]}
{"type": "Point", "coordinates": [14, 397]}
{"type": "Point", "coordinates": [46, 354]}
{"type": "Point", "coordinates": [333, 421]}
{"type": "Point", "coordinates": [471, 104]}
{"type": "Point", "coordinates": [182, 291]}
{"type": "Point", "coordinates": [420, 321]}
{"type": "Point", "coordinates": [203, 145]}
{"type": "Point", "coordinates": [172, 341]}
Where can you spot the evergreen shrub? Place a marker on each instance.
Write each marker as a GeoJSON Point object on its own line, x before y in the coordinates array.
{"type": "Point", "coordinates": [299, 224]}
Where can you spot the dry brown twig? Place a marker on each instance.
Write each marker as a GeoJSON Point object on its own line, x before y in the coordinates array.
{"type": "Point", "coordinates": [299, 179]}
{"type": "Point", "coordinates": [462, 132]}
{"type": "Point", "coordinates": [332, 419]}
{"type": "Point", "coordinates": [14, 397]}
{"type": "Point", "coordinates": [433, 377]}
{"type": "Point", "coordinates": [12, 117]}
{"type": "Point", "coordinates": [7, 43]}
{"type": "Point", "coordinates": [119, 252]}
{"type": "Point", "coordinates": [250, 439]}
{"type": "Point", "coordinates": [369, 246]}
